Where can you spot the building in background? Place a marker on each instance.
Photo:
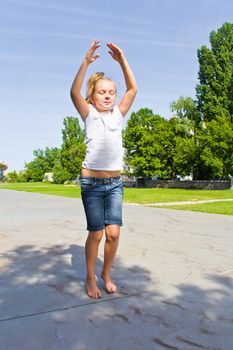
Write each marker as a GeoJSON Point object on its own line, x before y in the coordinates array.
{"type": "Point", "coordinates": [3, 167]}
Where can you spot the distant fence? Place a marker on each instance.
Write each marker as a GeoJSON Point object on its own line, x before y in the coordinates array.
{"type": "Point", "coordinates": [198, 185]}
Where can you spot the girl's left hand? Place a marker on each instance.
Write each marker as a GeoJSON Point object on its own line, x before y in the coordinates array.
{"type": "Point", "coordinates": [116, 52]}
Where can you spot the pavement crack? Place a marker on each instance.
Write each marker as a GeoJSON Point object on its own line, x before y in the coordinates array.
{"type": "Point", "coordinates": [165, 345]}
{"type": "Point", "coordinates": [92, 322]}
{"type": "Point", "coordinates": [96, 301]}
{"type": "Point", "coordinates": [173, 304]}
{"type": "Point", "coordinates": [187, 341]}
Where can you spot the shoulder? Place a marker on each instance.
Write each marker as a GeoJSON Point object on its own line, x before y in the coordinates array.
{"type": "Point", "coordinates": [117, 112]}
{"type": "Point", "coordinates": [92, 112]}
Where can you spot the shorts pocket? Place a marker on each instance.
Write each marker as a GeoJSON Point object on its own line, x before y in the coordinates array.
{"type": "Point", "coordinates": [86, 184]}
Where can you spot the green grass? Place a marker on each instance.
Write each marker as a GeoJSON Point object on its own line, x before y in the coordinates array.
{"type": "Point", "coordinates": [225, 208]}
{"type": "Point", "coordinates": [131, 195]}
{"type": "Point", "coordinates": [44, 188]}
{"type": "Point", "coordinates": [141, 195]}
{"type": "Point", "coordinates": [160, 195]}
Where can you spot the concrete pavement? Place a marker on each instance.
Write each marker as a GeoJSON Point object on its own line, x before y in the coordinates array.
{"type": "Point", "coordinates": [174, 270]}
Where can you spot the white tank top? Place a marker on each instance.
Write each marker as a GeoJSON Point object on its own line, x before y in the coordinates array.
{"type": "Point", "coordinates": [103, 138]}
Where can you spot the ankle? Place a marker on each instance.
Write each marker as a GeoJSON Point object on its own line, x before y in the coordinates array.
{"type": "Point", "coordinates": [90, 278]}
{"type": "Point", "coordinates": [105, 275]}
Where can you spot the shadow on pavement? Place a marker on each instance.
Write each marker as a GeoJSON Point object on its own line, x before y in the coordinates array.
{"type": "Point", "coordinates": [52, 278]}
{"type": "Point", "coordinates": [42, 295]}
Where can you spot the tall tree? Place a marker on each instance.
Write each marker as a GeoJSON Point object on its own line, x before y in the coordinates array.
{"type": "Point", "coordinates": [204, 128]}
{"type": "Point", "coordinates": [215, 90]}
{"type": "Point", "coordinates": [215, 148]}
{"type": "Point", "coordinates": [73, 147]}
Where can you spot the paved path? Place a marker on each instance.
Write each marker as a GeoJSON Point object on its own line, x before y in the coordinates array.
{"type": "Point", "coordinates": [174, 270]}
{"type": "Point", "coordinates": [189, 202]}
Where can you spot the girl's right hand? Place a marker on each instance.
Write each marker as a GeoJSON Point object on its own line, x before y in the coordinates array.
{"type": "Point", "coordinates": [90, 57]}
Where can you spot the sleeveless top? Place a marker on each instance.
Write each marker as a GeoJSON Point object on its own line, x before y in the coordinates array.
{"type": "Point", "coordinates": [103, 139]}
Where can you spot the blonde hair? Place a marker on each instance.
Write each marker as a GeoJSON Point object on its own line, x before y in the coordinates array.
{"type": "Point", "coordinates": [92, 82]}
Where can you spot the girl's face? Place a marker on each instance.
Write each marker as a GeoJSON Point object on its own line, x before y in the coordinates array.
{"type": "Point", "coordinates": [104, 95]}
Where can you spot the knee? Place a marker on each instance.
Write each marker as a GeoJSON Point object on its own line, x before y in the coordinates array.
{"type": "Point", "coordinates": [112, 233]}
{"type": "Point", "coordinates": [95, 236]}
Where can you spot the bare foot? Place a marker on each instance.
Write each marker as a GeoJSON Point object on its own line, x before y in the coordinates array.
{"type": "Point", "coordinates": [109, 285]}
{"type": "Point", "coordinates": [92, 289]}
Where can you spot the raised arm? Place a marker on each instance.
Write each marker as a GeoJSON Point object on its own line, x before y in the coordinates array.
{"type": "Point", "coordinates": [79, 102]}
{"type": "Point", "coordinates": [131, 85]}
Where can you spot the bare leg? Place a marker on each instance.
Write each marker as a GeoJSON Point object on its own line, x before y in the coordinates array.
{"type": "Point", "coordinates": [91, 251]}
{"type": "Point", "coordinates": [112, 240]}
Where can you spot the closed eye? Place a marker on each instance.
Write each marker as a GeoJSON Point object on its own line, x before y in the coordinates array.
{"type": "Point", "coordinates": [102, 92]}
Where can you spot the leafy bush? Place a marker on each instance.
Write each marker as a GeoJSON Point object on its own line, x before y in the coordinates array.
{"type": "Point", "coordinates": [60, 174]}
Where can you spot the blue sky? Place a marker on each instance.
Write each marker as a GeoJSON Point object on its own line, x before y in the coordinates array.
{"type": "Point", "coordinates": [43, 43]}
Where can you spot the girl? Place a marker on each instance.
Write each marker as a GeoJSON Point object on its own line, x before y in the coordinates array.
{"type": "Point", "coordinates": [100, 182]}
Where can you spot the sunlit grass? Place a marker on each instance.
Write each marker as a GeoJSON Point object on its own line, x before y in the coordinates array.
{"type": "Point", "coordinates": [225, 208]}
{"type": "Point", "coordinates": [161, 195]}
{"type": "Point", "coordinates": [140, 195]}
{"type": "Point", "coordinates": [44, 188]}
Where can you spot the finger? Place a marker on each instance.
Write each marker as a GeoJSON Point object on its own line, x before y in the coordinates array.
{"type": "Point", "coordinates": [95, 44]}
{"type": "Point", "coordinates": [93, 49]}
{"type": "Point", "coordinates": [96, 41]}
{"type": "Point", "coordinates": [96, 56]}
{"type": "Point", "coordinates": [113, 46]}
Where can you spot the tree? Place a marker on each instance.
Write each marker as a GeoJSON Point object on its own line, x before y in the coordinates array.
{"type": "Point", "coordinates": [215, 90]}
{"type": "Point", "coordinates": [11, 177]}
{"type": "Point", "coordinates": [65, 162]}
{"type": "Point", "coordinates": [148, 140]}
{"type": "Point", "coordinates": [60, 174]}
{"type": "Point", "coordinates": [73, 147]}
{"type": "Point", "coordinates": [203, 128]}
{"type": "Point", "coordinates": [186, 123]}
{"type": "Point", "coordinates": [215, 147]}
{"type": "Point", "coordinates": [184, 156]}
{"type": "Point", "coordinates": [43, 162]}
{"type": "Point", "coordinates": [186, 110]}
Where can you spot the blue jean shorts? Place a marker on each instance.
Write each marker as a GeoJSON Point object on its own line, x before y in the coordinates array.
{"type": "Point", "coordinates": [102, 201]}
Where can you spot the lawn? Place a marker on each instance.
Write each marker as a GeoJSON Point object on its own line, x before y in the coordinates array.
{"type": "Point", "coordinates": [161, 195]}
{"type": "Point", "coordinates": [225, 208]}
{"type": "Point", "coordinates": [44, 188]}
{"type": "Point", "coordinates": [141, 195]}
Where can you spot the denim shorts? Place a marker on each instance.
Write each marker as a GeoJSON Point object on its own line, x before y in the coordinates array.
{"type": "Point", "coordinates": [102, 201]}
